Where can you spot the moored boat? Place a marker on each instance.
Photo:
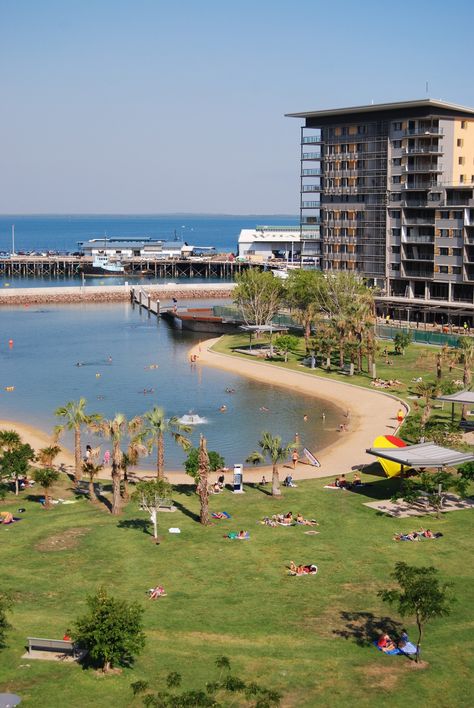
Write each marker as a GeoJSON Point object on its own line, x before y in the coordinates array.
{"type": "Point", "coordinates": [102, 264]}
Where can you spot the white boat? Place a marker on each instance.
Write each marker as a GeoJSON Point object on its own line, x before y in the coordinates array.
{"type": "Point", "coordinates": [102, 264]}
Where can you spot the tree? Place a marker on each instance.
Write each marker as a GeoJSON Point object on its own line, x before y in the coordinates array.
{"type": "Point", "coordinates": [466, 356]}
{"type": "Point", "coordinates": [15, 462]}
{"type": "Point", "coordinates": [46, 477]}
{"type": "Point", "coordinates": [46, 455]}
{"type": "Point", "coordinates": [115, 429]}
{"type": "Point", "coordinates": [427, 391]}
{"type": "Point", "coordinates": [156, 424]}
{"type": "Point", "coordinates": [286, 343]}
{"type": "Point", "coordinates": [420, 594]}
{"type": "Point", "coordinates": [91, 470]}
{"type": "Point", "coordinates": [203, 483]}
{"type": "Point", "coordinates": [191, 463]}
{"type": "Point", "coordinates": [130, 458]}
{"type": "Point", "coordinates": [75, 418]}
{"type": "Point", "coordinates": [258, 295]}
{"type": "Point", "coordinates": [272, 448]}
{"type": "Point", "coordinates": [401, 342]}
{"type": "Point", "coordinates": [112, 631]}
{"type": "Point", "coordinates": [302, 293]}
{"type": "Point", "coordinates": [150, 494]}
{"type": "Point", "coordinates": [9, 440]}
{"type": "Point", "coordinates": [431, 487]}
{"type": "Point", "coordinates": [5, 605]}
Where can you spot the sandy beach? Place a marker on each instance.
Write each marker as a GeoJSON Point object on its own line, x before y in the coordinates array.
{"type": "Point", "coordinates": [372, 413]}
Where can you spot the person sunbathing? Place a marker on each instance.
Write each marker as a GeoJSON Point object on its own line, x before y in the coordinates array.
{"type": "Point", "coordinates": [356, 481]}
{"type": "Point", "coordinates": [159, 591]}
{"type": "Point", "coordinates": [341, 481]}
{"type": "Point", "coordinates": [308, 569]}
{"type": "Point", "coordinates": [306, 522]}
{"type": "Point", "coordinates": [243, 534]}
{"type": "Point", "coordinates": [385, 643]}
{"type": "Point", "coordinates": [6, 517]}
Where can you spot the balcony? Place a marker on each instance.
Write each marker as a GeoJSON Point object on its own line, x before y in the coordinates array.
{"type": "Point", "coordinates": [416, 169]}
{"type": "Point", "coordinates": [418, 272]}
{"type": "Point", "coordinates": [426, 131]}
{"type": "Point", "coordinates": [312, 156]}
{"type": "Point", "coordinates": [421, 184]}
{"type": "Point", "coordinates": [311, 140]}
{"type": "Point", "coordinates": [418, 150]}
{"type": "Point", "coordinates": [310, 173]}
{"type": "Point", "coordinates": [424, 238]}
{"type": "Point", "coordinates": [311, 205]}
{"type": "Point", "coordinates": [422, 257]}
{"type": "Point", "coordinates": [312, 188]}
{"type": "Point", "coordinates": [311, 220]}
{"type": "Point", "coordinates": [418, 221]}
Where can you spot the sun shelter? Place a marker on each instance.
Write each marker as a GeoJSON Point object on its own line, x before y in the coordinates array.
{"type": "Point", "coordinates": [270, 328]}
{"type": "Point", "coordinates": [422, 455]}
{"type": "Point", "coordinates": [465, 398]}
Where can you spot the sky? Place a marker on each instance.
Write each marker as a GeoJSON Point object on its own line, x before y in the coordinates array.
{"type": "Point", "coordinates": [153, 106]}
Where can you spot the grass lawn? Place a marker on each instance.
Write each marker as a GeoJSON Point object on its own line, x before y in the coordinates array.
{"type": "Point", "coordinates": [308, 638]}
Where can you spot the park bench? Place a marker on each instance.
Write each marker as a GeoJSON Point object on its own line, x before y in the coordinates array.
{"type": "Point", "coordinates": [59, 646]}
{"type": "Point", "coordinates": [82, 487]}
{"type": "Point", "coordinates": [348, 369]}
{"type": "Point", "coordinates": [467, 425]}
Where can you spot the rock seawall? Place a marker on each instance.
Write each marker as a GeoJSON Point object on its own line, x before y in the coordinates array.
{"type": "Point", "coordinates": [108, 293]}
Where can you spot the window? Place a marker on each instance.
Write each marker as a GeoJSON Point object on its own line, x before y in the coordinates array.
{"type": "Point", "coordinates": [444, 251]}
{"type": "Point", "coordinates": [457, 270]}
{"type": "Point", "coordinates": [396, 179]}
{"type": "Point", "coordinates": [457, 251]}
{"type": "Point", "coordinates": [443, 269]}
{"type": "Point", "coordinates": [398, 126]}
{"type": "Point", "coordinates": [456, 215]}
{"type": "Point", "coordinates": [395, 266]}
{"type": "Point", "coordinates": [395, 196]}
{"type": "Point", "coordinates": [444, 233]}
{"type": "Point", "coordinates": [461, 160]}
{"type": "Point", "coordinates": [434, 196]}
{"type": "Point", "coordinates": [457, 233]}
{"type": "Point", "coordinates": [444, 215]}
{"type": "Point", "coordinates": [396, 144]}
{"type": "Point", "coordinates": [395, 249]}
{"type": "Point", "coordinates": [460, 142]}
{"type": "Point", "coordinates": [394, 213]}
{"type": "Point", "coordinates": [461, 179]}
{"type": "Point", "coordinates": [396, 232]}
{"type": "Point", "coordinates": [464, 124]}
{"type": "Point", "coordinates": [362, 129]}
{"type": "Point", "coordinates": [396, 161]}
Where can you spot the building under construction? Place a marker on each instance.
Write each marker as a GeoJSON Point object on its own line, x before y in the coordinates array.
{"type": "Point", "coordinates": [387, 191]}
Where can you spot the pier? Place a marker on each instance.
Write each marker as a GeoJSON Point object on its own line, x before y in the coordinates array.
{"type": "Point", "coordinates": [71, 266]}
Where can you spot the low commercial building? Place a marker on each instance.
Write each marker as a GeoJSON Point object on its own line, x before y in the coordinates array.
{"type": "Point", "coordinates": [135, 247]}
{"type": "Point", "coordinates": [266, 243]}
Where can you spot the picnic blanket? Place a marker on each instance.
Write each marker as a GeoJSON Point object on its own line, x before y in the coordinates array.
{"type": "Point", "coordinates": [408, 648]}
{"type": "Point", "coordinates": [234, 536]}
{"type": "Point", "coordinates": [220, 515]}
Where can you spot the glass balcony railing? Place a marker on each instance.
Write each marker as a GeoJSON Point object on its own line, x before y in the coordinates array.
{"type": "Point", "coordinates": [312, 172]}
{"type": "Point", "coordinates": [428, 130]}
{"type": "Point", "coordinates": [311, 140]}
{"type": "Point", "coordinates": [311, 205]}
{"type": "Point", "coordinates": [311, 156]}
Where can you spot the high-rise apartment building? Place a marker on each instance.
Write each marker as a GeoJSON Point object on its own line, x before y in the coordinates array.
{"type": "Point", "coordinates": [387, 190]}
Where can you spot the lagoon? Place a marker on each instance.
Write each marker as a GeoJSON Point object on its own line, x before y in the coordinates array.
{"type": "Point", "coordinates": [48, 342]}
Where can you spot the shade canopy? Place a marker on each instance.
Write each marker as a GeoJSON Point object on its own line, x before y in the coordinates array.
{"type": "Point", "coordinates": [422, 455]}
{"type": "Point", "coordinates": [264, 328]}
{"type": "Point", "coordinates": [464, 397]}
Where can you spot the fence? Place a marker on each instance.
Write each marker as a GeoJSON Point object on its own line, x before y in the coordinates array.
{"type": "Point", "coordinates": [418, 335]}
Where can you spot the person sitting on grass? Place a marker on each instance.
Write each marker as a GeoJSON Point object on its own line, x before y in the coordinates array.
{"type": "Point", "coordinates": [385, 643]}
{"type": "Point", "coordinates": [356, 481]}
{"type": "Point", "coordinates": [306, 522]}
{"type": "Point", "coordinates": [263, 481]}
{"type": "Point", "coordinates": [157, 592]}
{"type": "Point", "coordinates": [341, 481]}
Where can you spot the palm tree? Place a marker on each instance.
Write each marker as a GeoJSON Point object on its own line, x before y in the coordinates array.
{"type": "Point", "coordinates": [466, 356]}
{"type": "Point", "coordinates": [271, 447]}
{"type": "Point", "coordinates": [9, 440]}
{"type": "Point", "coordinates": [46, 455]}
{"type": "Point", "coordinates": [302, 295]}
{"type": "Point", "coordinates": [427, 391]}
{"type": "Point", "coordinates": [203, 484]}
{"type": "Point", "coordinates": [115, 429]}
{"type": "Point", "coordinates": [155, 426]}
{"type": "Point", "coordinates": [75, 417]}
{"type": "Point", "coordinates": [135, 450]}
{"type": "Point", "coordinates": [91, 470]}
{"type": "Point", "coordinates": [46, 478]}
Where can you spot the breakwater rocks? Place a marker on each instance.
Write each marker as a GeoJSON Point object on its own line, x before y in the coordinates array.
{"type": "Point", "coordinates": [112, 293]}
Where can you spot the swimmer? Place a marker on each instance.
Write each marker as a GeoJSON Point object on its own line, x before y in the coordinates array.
{"type": "Point", "coordinates": [79, 363]}
{"type": "Point", "coordinates": [97, 375]}
{"type": "Point", "coordinates": [323, 416]}
{"type": "Point", "coordinates": [305, 418]}
{"type": "Point", "coordinates": [223, 408]}
{"type": "Point", "coordinates": [109, 358]}
{"type": "Point", "coordinates": [263, 408]}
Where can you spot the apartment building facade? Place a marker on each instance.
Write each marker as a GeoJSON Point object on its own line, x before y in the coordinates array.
{"type": "Point", "coordinates": [387, 191]}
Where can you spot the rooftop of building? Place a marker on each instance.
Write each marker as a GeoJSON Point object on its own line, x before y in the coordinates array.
{"type": "Point", "coordinates": [431, 104]}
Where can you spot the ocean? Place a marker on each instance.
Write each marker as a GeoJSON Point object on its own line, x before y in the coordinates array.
{"type": "Point", "coordinates": [62, 233]}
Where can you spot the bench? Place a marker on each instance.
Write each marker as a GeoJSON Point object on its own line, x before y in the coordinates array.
{"type": "Point", "coordinates": [348, 369]}
{"type": "Point", "coordinates": [60, 646]}
{"type": "Point", "coordinates": [82, 487]}
{"type": "Point", "coordinates": [467, 425]}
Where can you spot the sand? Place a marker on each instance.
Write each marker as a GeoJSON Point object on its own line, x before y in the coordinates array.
{"type": "Point", "coordinates": [371, 413]}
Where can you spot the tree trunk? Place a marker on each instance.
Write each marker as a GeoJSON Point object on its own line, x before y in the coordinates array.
{"type": "Point", "coordinates": [359, 359]}
{"type": "Point", "coordinates": [341, 351]}
{"type": "Point", "coordinates": [328, 363]}
{"type": "Point", "coordinates": [160, 456]}
{"type": "Point", "coordinates": [154, 521]}
{"type": "Point", "coordinates": [47, 499]}
{"type": "Point", "coordinates": [77, 454]}
{"type": "Point", "coordinates": [125, 492]}
{"type": "Point", "coordinates": [116, 498]}
{"type": "Point", "coordinates": [286, 357]}
{"type": "Point", "coordinates": [92, 494]}
{"type": "Point", "coordinates": [107, 667]}
{"type": "Point", "coordinates": [307, 335]}
{"type": "Point", "coordinates": [420, 631]}
{"type": "Point", "coordinates": [203, 484]}
{"type": "Point", "coordinates": [17, 486]}
{"type": "Point", "coordinates": [275, 482]}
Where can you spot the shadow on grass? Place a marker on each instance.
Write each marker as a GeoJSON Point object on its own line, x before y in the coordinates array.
{"type": "Point", "coordinates": [377, 490]}
{"type": "Point", "coordinates": [365, 627]}
{"type": "Point", "coordinates": [267, 491]}
{"type": "Point", "coordinates": [186, 511]}
{"type": "Point", "coordinates": [188, 490]}
{"type": "Point", "coordinates": [137, 524]}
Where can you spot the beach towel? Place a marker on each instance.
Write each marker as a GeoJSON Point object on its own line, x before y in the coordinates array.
{"type": "Point", "coordinates": [332, 486]}
{"type": "Point", "coordinates": [392, 652]}
{"type": "Point", "coordinates": [280, 523]}
{"type": "Point", "coordinates": [409, 648]}
{"type": "Point", "coordinates": [174, 530]}
{"type": "Point", "coordinates": [221, 515]}
{"type": "Point", "coordinates": [7, 523]}
{"type": "Point", "coordinates": [234, 536]}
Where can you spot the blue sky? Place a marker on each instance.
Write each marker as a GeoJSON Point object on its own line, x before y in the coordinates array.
{"type": "Point", "coordinates": [146, 106]}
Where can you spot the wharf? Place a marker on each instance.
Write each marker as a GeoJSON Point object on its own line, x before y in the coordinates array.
{"type": "Point", "coordinates": [114, 293]}
{"type": "Point", "coordinates": [70, 266]}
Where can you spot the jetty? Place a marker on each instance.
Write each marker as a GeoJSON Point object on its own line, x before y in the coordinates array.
{"type": "Point", "coordinates": [27, 266]}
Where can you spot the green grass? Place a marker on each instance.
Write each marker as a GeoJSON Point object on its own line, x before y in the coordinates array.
{"type": "Point", "coordinates": [296, 635]}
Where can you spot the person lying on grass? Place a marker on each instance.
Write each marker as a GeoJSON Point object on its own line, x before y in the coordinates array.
{"type": "Point", "coordinates": [386, 643]}
{"type": "Point", "coordinates": [309, 569]}
{"type": "Point", "coordinates": [306, 522]}
{"type": "Point", "coordinates": [157, 592]}
{"type": "Point", "coordinates": [417, 535]}
{"type": "Point", "coordinates": [241, 535]}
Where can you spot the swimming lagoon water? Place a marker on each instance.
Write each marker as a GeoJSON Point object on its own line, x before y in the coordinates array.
{"type": "Point", "coordinates": [48, 342]}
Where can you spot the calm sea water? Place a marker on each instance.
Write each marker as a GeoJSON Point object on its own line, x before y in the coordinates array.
{"type": "Point", "coordinates": [37, 233]}
{"type": "Point", "coordinates": [49, 341]}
